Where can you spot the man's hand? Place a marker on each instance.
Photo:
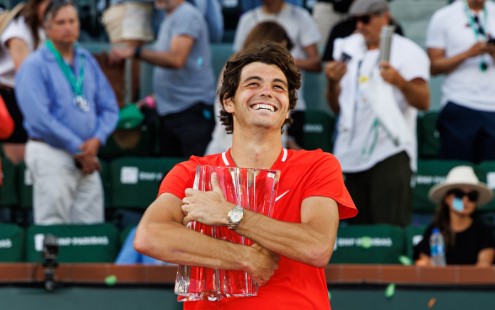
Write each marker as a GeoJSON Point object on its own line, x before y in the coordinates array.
{"type": "Point", "coordinates": [335, 70]}
{"type": "Point", "coordinates": [262, 264]}
{"type": "Point", "coordinates": [209, 208]}
{"type": "Point", "coordinates": [491, 50]}
{"type": "Point", "coordinates": [117, 54]}
{"type": "Point", "coordinates": [90, 147]}
{"type": "Point", "coordinates": [390, 75]}
{"type": "Point", "coordinates": [479, 48]}
{"type": "Point", "coordinates": [88, 164]}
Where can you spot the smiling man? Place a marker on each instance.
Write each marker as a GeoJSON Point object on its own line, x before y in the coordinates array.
{"type": "Point", "coordinates": [291, 248]}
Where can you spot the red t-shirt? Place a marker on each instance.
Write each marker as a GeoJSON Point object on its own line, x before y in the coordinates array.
{"type": "Point", "coordinates": [294, 285]}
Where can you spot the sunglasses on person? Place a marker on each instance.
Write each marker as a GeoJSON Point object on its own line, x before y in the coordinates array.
{"type": "Point", "coordinates": [472, 195]}
{"type": "Point", "coordinates": [365, 19]}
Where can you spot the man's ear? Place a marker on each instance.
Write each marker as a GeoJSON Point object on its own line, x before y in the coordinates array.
{"type": "Point", "coordinates": [228, 105]}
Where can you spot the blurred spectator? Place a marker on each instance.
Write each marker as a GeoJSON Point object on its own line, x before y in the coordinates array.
{"type": "Point", "coordinates": [377, 104]}
{"type": "Point", "coordinates": [129, 21]}
{"type": "Point", "coordinates": [6, 121]}
{"type": "Point", "coordinates": [461, 45]}
{"type": "Point", "coordinates": [467, 240]}
{"type": "Point", "coordinates": [183, 80]}
{"type": "Point", "coordinates": [22, 35]}
{"type": "Point", "coordinates": [328, 13]}
{"type": "Point", "coordinates": [345, 28]}
{"type": "Point", "coordinates": [212, 11]}
{"type": "Point", "coordinates": [69, 111]}
{"type": "Point", "coordinates": [265, 31]}
{"type": "Point", "coordinates": [304, 35]}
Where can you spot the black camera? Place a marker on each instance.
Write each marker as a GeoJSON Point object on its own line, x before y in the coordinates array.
{"type": "Point", "coordinates": [50, 252]}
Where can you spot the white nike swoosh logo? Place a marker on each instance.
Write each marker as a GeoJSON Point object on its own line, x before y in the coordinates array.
{"type": "Point", "coordinates": [280, 196]}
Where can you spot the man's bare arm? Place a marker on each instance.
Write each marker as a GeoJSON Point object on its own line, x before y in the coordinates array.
{"type": "Point", "coordinates": [310, 241]}
{"type": "Point", "coordinates": [441, 64]}
{"type": "Point", "coordinates": [162, 235]}
{"type": "Point", "coordinates": [312, 63]}
{"type": "Point", "coordinates": [175, 57]}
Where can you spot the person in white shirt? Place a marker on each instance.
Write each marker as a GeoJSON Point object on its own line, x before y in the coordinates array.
{"type": "Point", "coordinates": [461, 45]}
{"type": "Point", "coordinates": [377, 158]}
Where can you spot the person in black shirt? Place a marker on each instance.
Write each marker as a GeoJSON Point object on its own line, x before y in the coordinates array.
{"type": "Point", "coordinates": [467, 240]}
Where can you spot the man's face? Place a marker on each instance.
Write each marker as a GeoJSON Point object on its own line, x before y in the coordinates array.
{"type": "Point", "coordinates": [261, 99]}
{"type": "Point", "coordinates": [272, 2]}
{"type": "Point", "coordinates": [477, 2]}
{"type": "Point", "coordinates": [63, 27]}
{"type": "Point", "coordinates": [370, 27]}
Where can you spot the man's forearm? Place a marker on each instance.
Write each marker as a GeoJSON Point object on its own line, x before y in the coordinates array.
{"type": "Point", "coordinates": [298, 241]}
{"type": "Point", "coordinates": [161, 59]}
{"type": "Point", "coordinates": [417, 93]}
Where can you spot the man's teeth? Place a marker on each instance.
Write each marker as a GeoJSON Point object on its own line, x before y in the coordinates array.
{"type": "Point", "coordinates": [264, 107]}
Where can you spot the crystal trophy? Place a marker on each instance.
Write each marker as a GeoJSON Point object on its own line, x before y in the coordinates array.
{"type": "Point", "coordinates": [252, 189]}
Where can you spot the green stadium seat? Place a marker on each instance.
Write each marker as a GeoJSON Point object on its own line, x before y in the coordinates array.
{"type": "Point", "coordinates": [436, 94]}
{"type": "Point", "coordinates": [9, 190]}
{"type": "Point", "coordinates": [369, 244]}
{"type": "Point", "coordinates": [318, 130]}
{"type": "Point", "coordinates": [98, 243]}
{"type": "Point", "coordinates": [314, 87]}
{"type": "Point", "coordinates": [11, 243]}
{"type": "Point", "coordinates": [106, 182]}
{"type": "Point", "coordinates": [428, 136]}
{"type": "Point", "coordinates": [413, 234]}
{"type": "Point", "coordinates": [486, 174]}
{"type": "Point", "coordinates": [430, 173]}
{"type": "Point", "coordinates": [135, 180]}
{"type": "Point", "coordinates": [220, 53]}
{"type": "Point", "coordinates": [145, 145]}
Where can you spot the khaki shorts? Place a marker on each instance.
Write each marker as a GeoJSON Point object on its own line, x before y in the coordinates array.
{"type": "Point", "coordinates": [129, 21]}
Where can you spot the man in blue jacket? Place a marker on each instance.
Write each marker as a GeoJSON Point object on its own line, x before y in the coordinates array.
{"type": "Point", "coordinates": [69, 111]}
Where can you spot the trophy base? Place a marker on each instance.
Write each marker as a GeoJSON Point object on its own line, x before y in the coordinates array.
{"type": "Point", "coordinates": [205, 296]}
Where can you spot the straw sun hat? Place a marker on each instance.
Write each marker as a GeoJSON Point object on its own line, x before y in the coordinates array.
{"type": "Point", "coordinates": [461, 176]}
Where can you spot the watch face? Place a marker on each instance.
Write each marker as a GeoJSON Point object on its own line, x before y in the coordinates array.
{"type": "Point", "coordinates": [236, 216]}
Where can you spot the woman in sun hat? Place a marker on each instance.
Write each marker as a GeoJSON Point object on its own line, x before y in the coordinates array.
{"type": "Point", "coordinates": [467, 240]}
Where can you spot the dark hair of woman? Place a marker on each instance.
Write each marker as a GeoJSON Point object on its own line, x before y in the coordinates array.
{"type": "Point", "coordinates": [30, 13]}
{"type": "Point", "coordinates": [442, 221]}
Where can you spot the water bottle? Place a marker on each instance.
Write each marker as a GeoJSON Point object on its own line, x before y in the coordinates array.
{"type": "Point", "coordinates": [437, 248]}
